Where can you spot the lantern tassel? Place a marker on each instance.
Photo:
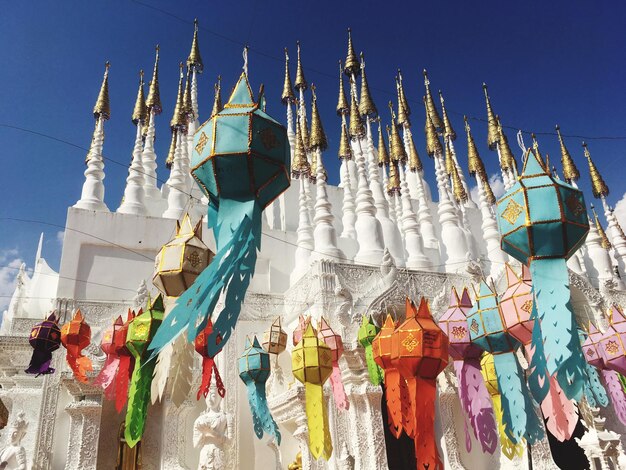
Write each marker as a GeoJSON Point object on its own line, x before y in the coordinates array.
{"type": "Point", "coordinates": [208, 367]}
{"type": "Point", "coordinates": [40, 363]}
{"type": "Point", "coordinates": [393, 397]}
{"type": "Point", "coordinates": [181, 371]}
{"type": "Point", "coordinates": [320, 443]}
{"type": "Point", "coordinates": [425, 393]}
{"type": "Point", "coordinates": [558, 328]}
{"type": "Point", "coordinates": [138, 400]}
{"type": "Point", "coordinates": [80, 365]}
{"type": "Point", "coordinates": [261, 415]}
{"type": "Point", "coordinates": [509, 449]}
{"type": "Point", "coordinates": [339, 392]}
{"type": "Point", "coordinates": [616, 392]}
{"type": "Point", "coordinates": [237, 226]}
{"type": "Point", "coordinates": [161, 371]}
{"type": "Point", "coordinates": [475, 400]}
{"type": "Point", "coordinates": [595, 393]}
{"type": "Point", "coordinates": [122, 381]}
{"type": "Point", "coordinates": [375, 372]}
{"type": "Point", "coordinates": [106, 377]}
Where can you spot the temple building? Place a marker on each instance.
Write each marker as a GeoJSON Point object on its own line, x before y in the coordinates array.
{"type": "Point", "coordinates": [341, 252]}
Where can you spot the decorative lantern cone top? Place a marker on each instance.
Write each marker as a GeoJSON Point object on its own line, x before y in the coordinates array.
{"type": "Point", "coordinates": [516, 305]}
{"type": "Point", "coordinates": [454, 324]}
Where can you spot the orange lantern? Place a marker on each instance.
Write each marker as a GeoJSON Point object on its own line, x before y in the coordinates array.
{"type": "Point", "coordinates": [76, 336]}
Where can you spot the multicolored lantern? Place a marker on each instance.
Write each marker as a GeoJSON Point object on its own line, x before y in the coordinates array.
{"type": "Point", "coordinates": [241, 162]}
{"type": "Point", "coordinates": [182, 259]}
{"type": "Point", "coordinates": [486, 327]}
{"type": "Point", "coordinates": [471, 386]}
{"type": "Point", "coordinates": [312, 365]}
{"type": "Point", "coordinates": [334, 342]}
{"type": "Point", "coordinates": [275, 339]}
{"type": "Point", "coordinates": [366, 334]}
{"type": "Point", "coordinates": [76, 336]}
{"type": "Point", "coordinates": [399, 407]}
{"type": "Point", "coordinates": [45, 337]}
{"type": "Point", "coordinates": [208, 363]}
{"type": "Point", "coordinates": [542, 222]}
{"type": "Point", "coordinates": [141, 330]}
{"type": "Point", "coordinates": [510, 449]}
{"type": "Point", "coordinates": [254, 370]}
{"type": "Point", "coordinates": [419, 350]}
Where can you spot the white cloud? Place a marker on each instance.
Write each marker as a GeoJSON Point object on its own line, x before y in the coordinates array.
{"type": "Point", "coordinates": [60, 235]}
{"type": "Point", "coordinates": [620, 211]}
{"type": "Point", "coordinates": [9, 267]}
{"type": "Point", "coordinates": [497, 186]}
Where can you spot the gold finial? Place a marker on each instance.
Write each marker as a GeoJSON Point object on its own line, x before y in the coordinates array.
{"type": "Point", "coordinates": [449, 161]}
{"type": "Point", "coordinates": [396, 146]}
{"type": "Point", "coordinates": [342, 104]}
{"type": "Point", "coordinates": [475, 164]}
{"type": "Point", "coordinates": [169, 161]}
{"type": "Point", "coordinates": [194, 61]}
{"type": "Point", "coordinates": [352, 65]}
{"type": "Point", "coordinates": [217, 100]}
{"type": "Point", "coordinates": [345, 151]}
{"type": "Point", "coordinates": [570, 172]}
{"type": "Point", "coordinates": [604, 240]}
{"type": "Point", "coordinates": [415, 162]}
{"type": "Point", "coordinates": [366, 106]}
{"type": "Point", "coordinates": [393, 182]}
{"type": "Point", "coordinates": [313, 174]}
{"type": "Point", "coordinates": [598, 186]}
{"type": "Point", "coordinates": [300, 83]}
{"type": "Point", "coordinates": [178, 119]}
{"type": "Point", "coordinates": [403, 116]}
{"type": "Point", "coordinates": [537, 152]}
{"type": "Point", "coordinates": [187, 104]}
{"type": "Point", "coordinates": [288, 96]}
{"type": "Point", "coordinates": [318, 136]}
{"type": "Point", "coordinates": [140, 112]}
{"type": "Point", "coordinates": [356, 123]}
{"type": "Point", "coordinates": [433, 145]}
{"type": "Point", "coordinates": [448, 131]}
{"type": "Point", "coordinates": [508, 159]}
{"type": "Point", "coordinates": [153, 102]}
{"type": "Point", "coordinates": [430, 105]}
{"type": "Point", "coordinates": [300, 166]}
{"type": "Point", "coordinates": [402, 96]}
{"type": "Point", "coordinates": [489, 196]}
{"type": "Point", "coordinates": [304, 129]}
{"type": "Point", "coordinates": [383, 153]}
{"type": "Point", "coordinates": [457, 186]}
{"type": "Point", "coordinates": [102, 109]}
{"type": "Point", "coordinates": [492, 125]}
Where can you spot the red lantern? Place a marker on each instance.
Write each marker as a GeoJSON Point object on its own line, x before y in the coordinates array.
{"type": "Point", "coordinates": [76, 336]}
{"type": "Point", "coordinates": [208, 363]}
{"type": "Point", "coordinates": [127, 362]}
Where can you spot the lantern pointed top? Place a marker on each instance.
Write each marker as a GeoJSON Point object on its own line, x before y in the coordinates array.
{"type": "Point", "coordinates": [242, 94]}
{"type": "Point", "coordinates": [389, 324]}
{"type": "Point", "coordinates": [78, 316]}
{"type": "Point", "coordinates": [465, 299]}
{"type": "Point", "coordinates": [533, 164]}
{"type": "Point", "coordinates": [118, 320]}
{"type": "Point", "coordinates": [511, 276]}
{"type": "Point", "coordinates": [248, 343]}
{"type": "Point", "coordinates": [423, 310]}
{"type": "Point", "coordinates": [184, 227]}
{"type": "Point", "coordinates": [309, 330]}
{"type": "Point", "coordinates": [157, 304]}
{"type": "Point", "coordinates": [255, 342]}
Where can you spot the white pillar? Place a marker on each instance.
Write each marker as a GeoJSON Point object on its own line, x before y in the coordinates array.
{"type": "Point", "coordinates": [491, 235]}
{"type": "Point", "coordinates": [305, 243]}
{"type": "Point", "coordinates": [148, 159]}
{"type": "Point", "coordinates": [92, 195]}
{"type": "Point", "coordinates": [349, 216]}
{"type": "Point", "coordinates": [134, 198]}
{"type": "Point", "coordinates": [414, 245]}
{"type": "Point", "coordinates": [176, 198]}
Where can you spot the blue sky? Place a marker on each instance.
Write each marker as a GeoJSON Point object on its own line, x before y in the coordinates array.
{"type": "Point", "coordinates": [545, 63]}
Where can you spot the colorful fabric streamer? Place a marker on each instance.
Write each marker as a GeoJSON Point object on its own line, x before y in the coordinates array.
{"type": "Point", "coordinates": [45, 338]}
{"type": "Point", "coordinates": [254, 370]}
{"type": "Point", "coordinates": [127, 362]}
{"type": "Point", "coordinates": [105, 378]}
{"type": "Point", "coordinates": [366, 334]}
{"type": "Point", "coordinates": [76, 336]}
{"type": "Point", "coordinates": [334, 342]}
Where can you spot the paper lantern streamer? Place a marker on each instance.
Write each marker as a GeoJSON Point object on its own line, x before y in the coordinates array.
{"type": "Point", "coordinates": [254, 370]}
{"type": "Point", "coordinates": [366, 334]}
{"type": "Point", "coordinates": [241, 162]}
{"type": "Point", "coordinates": [543, 221]}
{"type": "Point", "coordinates": [510, 449]}
{"type": "Point", "coordinates": [181, 370]}
{"type": "Point", "coordinates": [471, 386]}
{"type": "Point", "coordinates": [76, 336]}
{"type": "Point", "coordinates": [614, 386]}
{"type": "Point", "coordinates": [334, 342]}
{"type": "Point", "coordinates": [127, 362]}
{"type": "Point", "coordinates": [208, 364]}
{"type": "Point", "coordinates": [141, 330]}
{"type": "Point", "coordinates": [45, 338]}
{"type": "Point", "coordinates": [312, 365]}
{"type": "Point", "coordinates": [105, 378]}
{"type": "Point", "coordinates": [595, 393]}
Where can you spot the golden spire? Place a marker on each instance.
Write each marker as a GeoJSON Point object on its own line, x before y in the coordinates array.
{"type": "Point", "coordinates": [352, 65]}
{"type": "Point", "coordinates": [457, 186]}
{"type": "Point", "coordinates": [300, 166]}
{"type": "Point", "coordinates": [169, 161]}
{"type": "Point", "coordinates": [430, 105]}
{"type": "Point", "coordinates": [304, 129]}
{"type": "Point", "coordinates": [178, 120]}
{"type": "Point", "coordinates": [383, 153]}
{"type": "Point", "coordinates": [313, 174]}
{"type": "Point", "coordinates": [187, 105]}
{"type": "Point", "coordinates": [489, 196]}
{"type": "Point", "coordinates": [474, 162]}
{"type": "Point", "coordinates": [102, 109]}
{"type": "Point", "coordinates": [342, 104]}
{"type": "Point", "coordinates": [153, 102]}
{"type": "Point", "coordinates": [318, 136]}
{"type": "Point", "coordinates": [356, 123]}
{"type": "Point", "coordinates": [345, 151]}
{"type": "Point", "coordinates": [433, 145]}
{"type": "Point", "coordinates": [140, 112]}
{"type": "Point", "coordinates": [492, 126]}
{"type": "Point", "coordinates": [217, 101]}
{"type": "Point", "coordinates": [508, 159]}
{"type": "Point", "coordinates": [393, 182]}
{"type": "Point", "coordinates": [449, 161]}
{"type": "Point", "coordinates": [402, 96]}
{"type": "Point", "coordinates": [366, 106]}
{"type": "Point", "coordinates": [288, 96]}
{"type": "Point", "coordinates": [598, 186]}
{"type": "Point", "coordinates": [415, 162]}
{"type": "Point", "coordinates": [396, 146]}
{"type": "Point", "coordinates": [194, 61]}
{"type": "Point", "coordinates": [570, 172]}
{"type": "Point", "coordinates": [300, 83]}
{"type": "Point", "coordinates": [604, 240]}
{"type": "Point", "coordinates": [403, 116]}
{"type": "Point", "coordinates": [448, 131]}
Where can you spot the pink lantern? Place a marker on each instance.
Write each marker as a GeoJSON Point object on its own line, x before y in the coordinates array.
{"type": "Point", "coordinates": [516, 305]}
{"type": "Point", "coordinates": [613, 342]}
{"type": "Point", "coordinates": [334, 342]}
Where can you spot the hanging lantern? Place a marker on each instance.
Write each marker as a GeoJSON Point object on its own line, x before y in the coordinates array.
{"type": "Point", "coordinates": [254, 370]}
{"type": "Point", "coordinates": [312, 365]}
{"type": "Point", "coordinates": [542, 222]}
{"type": "Point", "coordinates": [613, 343]}
{"type": "Point", "coordinates": [471, 387]}
{"type": "Point", "coordinates": [182, 259]}
{"type": "Point", "coordinates": [127, 362]}
{"type": "Point", "coordinates": [595, 393]}
{"type": "Point", "coordinates": [105, 378]}
{"type": "Point", "coordinates": [399, 409]}
{"type": "Point", "coordinates": [486, 327]}
{"type": "Point", "coordinates": [516, 305]}
{"type": "Point", "coordinates": [76, 336]}
{"type": "Point", "coordinates": [208, 363]}
{"type": "Point", "coordinates": [366, 334]}
{"type": "Point", "coordinates": [420, 352]}
{"type": "Point", "coordinates": [508, 448]}
{"type": "Point", "coordinates": [275, 339]}
{"type": "Point", "coordinates": [241, 162]}
{"type": "Point", "coordinates": [45, 337]}
{"type": "Point", "coordinates": [141, 330]}
{"type": "Point", "coordinates": [334, 342]}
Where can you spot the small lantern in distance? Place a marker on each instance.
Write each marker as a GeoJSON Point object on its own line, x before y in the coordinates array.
{"type": "Point", "coordinates": [275, 339]}
{"type": "Point", "coordinates": [76, 336]}
{"type": "Point", "coordinates": [45, 337]}
{"type": "Point", "coordinates": [334, 342]}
